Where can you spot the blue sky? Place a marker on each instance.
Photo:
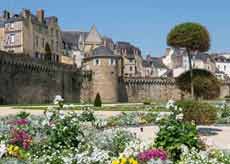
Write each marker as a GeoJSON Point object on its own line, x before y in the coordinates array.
{"type": "Point", "coordinates": [144, 23]}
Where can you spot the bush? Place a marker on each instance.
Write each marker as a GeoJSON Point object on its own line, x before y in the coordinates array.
{"type": "Point", "coordinates": [147, 102]}
{"type": "Point", "coordinates": [206, 85]}
{"type": "Point", "coordinates": [201, 113]}
{"type": "Point", "coordinates": [174, 134]}
{"type": "Point", "coordinates": [97, 101]}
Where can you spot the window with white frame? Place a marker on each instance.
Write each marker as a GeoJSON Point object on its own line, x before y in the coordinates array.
{"type": "Point", "coordinates": [96, 62]}
{"type": "Point", "coordinates": [112, 62]}
{"type": "Point", "coordinates": [12, 25]}
{"type": "Point", "coordinates": [12, 38]}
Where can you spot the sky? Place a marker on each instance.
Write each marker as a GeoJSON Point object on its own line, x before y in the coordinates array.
{"type": "Point", "coordinates": [144, 23]}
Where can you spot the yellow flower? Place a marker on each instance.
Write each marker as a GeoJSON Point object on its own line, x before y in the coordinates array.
{"type": "Point", "coordinates": [133, 161]}
{"type": "Point", "coordinates": [115, 162]}
{"type": "Point", "coordinates": [13, 150]}
{"type": "Point", "coordinates": [123, 160]}
{"type": "Point", "coordinates": [16, 148]}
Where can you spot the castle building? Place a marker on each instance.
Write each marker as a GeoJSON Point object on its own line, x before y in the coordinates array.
{"type": "Point", "coordinates": [132, 59]}
{"type": "Point", "coordinates": [30, 34]}
{"type": "Point", "coordinates": [106, 70]}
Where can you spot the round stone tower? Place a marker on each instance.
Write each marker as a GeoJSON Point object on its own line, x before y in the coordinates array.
{"type": "Point", "coordinates": [105, 67]}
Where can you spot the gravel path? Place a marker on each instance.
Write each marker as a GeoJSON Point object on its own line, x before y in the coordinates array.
{"type": "Point", "coordinates": [4, 111]}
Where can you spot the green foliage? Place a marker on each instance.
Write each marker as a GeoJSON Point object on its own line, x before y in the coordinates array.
{"type": "Point", "coordinates": [119, 142]}
{"type": "Point", "coordinates": [132, 118]}
{"type": "Point", "coordinates": [87, 115]}
{"type": "Point", "coordinates": [173, 134]}
{"type": "Point", "coordinates": [225, 112]}
{"type": "Point", "coordinates": [66, 132]}
{"type": "Point", "coordinates": [97, 101]}
{"type": "Point", "coordinates": [147, 102]}
{"type": "Point", "coordinates": [22, 115]}
{"type": "Point", "coordinates": [206, 85]}
{"type": "Point", "coordinates": [192, 36]}
{"type": "Point", "coordinates": [199, 112]}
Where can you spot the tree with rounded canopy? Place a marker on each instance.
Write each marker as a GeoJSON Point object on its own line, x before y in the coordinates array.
{"type": "Point", "coordinates": [206, 85]}
{"type": "Point", "coordinates": [194, 38]}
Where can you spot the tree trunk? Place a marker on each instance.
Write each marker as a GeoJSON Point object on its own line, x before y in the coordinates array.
{"type": "Point", "coordinates": [191, 73]}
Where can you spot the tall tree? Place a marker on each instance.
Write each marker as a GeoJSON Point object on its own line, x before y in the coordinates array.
{"type": "Point", "coordinates": [194, 38]}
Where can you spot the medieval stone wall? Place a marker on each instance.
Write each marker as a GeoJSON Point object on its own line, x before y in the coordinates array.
{"type": "Point", "coordinates": [138, 90]}
{"type": "Point", "coordinates": [26, 81]}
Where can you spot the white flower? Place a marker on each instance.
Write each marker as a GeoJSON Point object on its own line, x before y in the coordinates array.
{"type": "Point", "coordinates": [49, 115]}
{"type": "Point", "coordinates": [61, 114]}
{"type": "Point", "coordinates": [3, 149]}
{"type": "Point", "coordinates": [170, 104]}
{"type": "Point", "coordinates": [58, 99]}
{"type": "Point", "coordinates": [179, 116]}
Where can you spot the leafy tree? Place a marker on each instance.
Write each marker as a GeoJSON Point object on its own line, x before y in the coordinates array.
{"type": "Point", "coordinates": [206, 85]}
{"type": "Point", "coordinates": [48, 52]}
{"type": "Point", "coordinates": [194, 38]}
{"type": "Point", "coordinates": [97, 101]}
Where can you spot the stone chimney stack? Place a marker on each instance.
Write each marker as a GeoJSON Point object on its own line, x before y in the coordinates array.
{"type": "Point", "coordinates": [40, 15]}
{"type": "Point", "coordinates": [6, 14]}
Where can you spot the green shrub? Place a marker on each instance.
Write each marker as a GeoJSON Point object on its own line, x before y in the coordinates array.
{"type": "Point", "coordinates": [22, 115]}
{"type": "Point", "coordinates": [227, 98]}
{"type": "Point", "coordinates": [97, 101]}
{"type": "Point", "coordinates": [173, 134]}
{"type": "Point", "coordinates": [147, 102]}
{"type": "Point", "coordinates": [201, 113]}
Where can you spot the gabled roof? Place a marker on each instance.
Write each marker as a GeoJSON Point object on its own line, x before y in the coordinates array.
{"type": "Point", "coordinates": [93, 36]}
{"type": "Point", "coordinates": [71, 38]}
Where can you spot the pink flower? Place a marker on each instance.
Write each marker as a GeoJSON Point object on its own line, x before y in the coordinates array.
{"type": "Point", "coordinates": [21, 137]}
{"type": "Point", "coordinates": [22, 122]}
{"type": "Point", "coordinates": [152, 154]}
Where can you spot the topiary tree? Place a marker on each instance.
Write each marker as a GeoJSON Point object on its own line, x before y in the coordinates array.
{"type": "Point", "coordinates": [97, 101]}
{"type": "Point", "coordinates": [48, 52]}
{"type": "Point", "coordinates": [206, 85]}
{"type": "Point", "coordinates": [194, 38]}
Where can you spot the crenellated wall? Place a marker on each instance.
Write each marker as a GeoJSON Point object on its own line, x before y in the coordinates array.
{"type": "Point", "coordinates": [139, 89]}
{"type": "Point", "coordinates": [26, 81]}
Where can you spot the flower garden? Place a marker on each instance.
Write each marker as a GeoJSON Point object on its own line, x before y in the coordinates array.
{"type": "Point", "coordinates": [83, 138]}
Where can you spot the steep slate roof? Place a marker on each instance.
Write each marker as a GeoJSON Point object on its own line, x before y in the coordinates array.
{"type": "Point", "coordinates": [71, 38]}
{"type": "Point", "coordinates": [129, 49]}
{"type": "Point", "coordinates": [221, 59]}
{"type": "Point", "coordinates": [103, 52]}
{"type": "Point", "coordinates": [93, 36]}
{"type": "Point", "coordinates": [158, 64]}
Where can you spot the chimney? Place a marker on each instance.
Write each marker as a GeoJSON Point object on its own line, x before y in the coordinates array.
{"type": "Point", "coordinates": [25, 13]}
{"type": "Point", "coordinates": [40, 15]}
{"type": "Point", "coordinates": [6, 14]}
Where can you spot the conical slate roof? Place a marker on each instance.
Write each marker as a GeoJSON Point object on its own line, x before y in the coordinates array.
{"type": "Point", "coordinates": [93, 36]}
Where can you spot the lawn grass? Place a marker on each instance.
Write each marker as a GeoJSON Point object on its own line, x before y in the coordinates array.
{"type": "Point", "coordinates": [115, 107]}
